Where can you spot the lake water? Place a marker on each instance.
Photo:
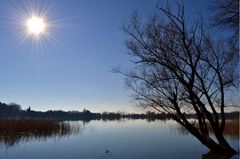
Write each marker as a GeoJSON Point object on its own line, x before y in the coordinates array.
{"type": "Point", "coordinates": [127, 139]}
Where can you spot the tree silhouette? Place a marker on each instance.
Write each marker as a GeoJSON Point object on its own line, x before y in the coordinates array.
{"type": "Point", "coordinates": [226, 17]}
{"type": "Point", "coordinates": [180, 68]}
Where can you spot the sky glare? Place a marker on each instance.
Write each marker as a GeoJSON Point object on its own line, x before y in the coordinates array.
{"type": "Point", "coordinates": [69, 66]}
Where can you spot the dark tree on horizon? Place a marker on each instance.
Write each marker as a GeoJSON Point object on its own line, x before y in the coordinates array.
{"type": "Point", "coordinates": [180, 68]}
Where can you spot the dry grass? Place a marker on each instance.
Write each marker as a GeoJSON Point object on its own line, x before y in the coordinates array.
{"type": "Point", "coordinates": [12, 131]}
{"type": "Point", "coordinates": [232, 128]}
{"type": "Point", "coordinates": [14, 126]}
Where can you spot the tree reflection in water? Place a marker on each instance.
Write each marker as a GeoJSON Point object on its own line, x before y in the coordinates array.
{"type": "Point", "coordinates": [212, 155]}
{"type": "Point", "coordinates": [231, 131]}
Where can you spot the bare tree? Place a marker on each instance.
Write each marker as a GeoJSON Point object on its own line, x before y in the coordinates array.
{"type": "Point", "coordinates": [226, 17]}
{"type": "Point", "coordinates": [226, 14]}
{"type": "Point", "coordinates": [180, 68]}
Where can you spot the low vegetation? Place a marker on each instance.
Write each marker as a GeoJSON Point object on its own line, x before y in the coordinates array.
{"type": "Point", "coordinates": [12, 131]}
{"type": "Point", "coordinates": [231, 129]}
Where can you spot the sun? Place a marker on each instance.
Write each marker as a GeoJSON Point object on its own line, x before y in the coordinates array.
{"type": "Point", "coordinates": [36, 25]}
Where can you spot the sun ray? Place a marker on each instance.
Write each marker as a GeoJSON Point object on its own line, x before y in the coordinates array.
{"type": "Point", "coordinates": [37, 25]}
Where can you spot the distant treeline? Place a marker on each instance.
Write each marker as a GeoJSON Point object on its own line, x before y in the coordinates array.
{"type": "Point", "coordinates": [14, 110]}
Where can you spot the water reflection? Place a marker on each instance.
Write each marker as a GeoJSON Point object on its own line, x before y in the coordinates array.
{"type": "Point", "coordinates": [126, 139]}
{"type": "Point", "coordinates": [231, 132]}
{"type": "Point", "coordinates": [14, 131]}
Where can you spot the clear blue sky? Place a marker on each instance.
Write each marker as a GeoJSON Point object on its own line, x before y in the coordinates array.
{"type": "Point", "coordinates": [71, 68]}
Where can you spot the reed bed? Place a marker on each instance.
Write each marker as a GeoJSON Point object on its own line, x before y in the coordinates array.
{"type": "Point", "coordinates": [12, 131]}
{"type": "Point", "coordinates": [15, 126]}
{"type": "Point", "coordinates": [231, 129]}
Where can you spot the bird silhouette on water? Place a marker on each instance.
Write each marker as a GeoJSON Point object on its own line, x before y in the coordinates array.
{"type": "Point", "coordinates": [107, 151]}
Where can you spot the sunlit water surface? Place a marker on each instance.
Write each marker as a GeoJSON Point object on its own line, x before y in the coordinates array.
{"type": "Point", "coordinates": [128, 139]}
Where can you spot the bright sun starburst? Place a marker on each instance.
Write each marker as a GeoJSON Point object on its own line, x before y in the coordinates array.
{"type": "Point", "coordinates": [36, 25]}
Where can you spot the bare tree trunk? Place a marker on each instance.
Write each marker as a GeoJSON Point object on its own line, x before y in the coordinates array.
{"type": "Point", "coordinates": [181, 67]}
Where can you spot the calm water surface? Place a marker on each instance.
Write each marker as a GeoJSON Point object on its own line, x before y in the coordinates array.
{"type": "Point", "coordinates": [129, 139]}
